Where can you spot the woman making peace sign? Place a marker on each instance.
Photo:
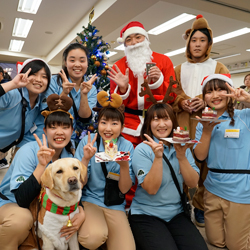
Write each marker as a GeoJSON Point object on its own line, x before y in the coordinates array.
{"type": "Point", "coordinates": [106, 223]}
{"type": "Point", "coordinates": [21, 184]}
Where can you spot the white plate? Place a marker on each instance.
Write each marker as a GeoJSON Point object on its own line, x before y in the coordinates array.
{"type": "Point", "coordinates": [209, 120]}
{"type": "Point", "coordinates": [170, 139]}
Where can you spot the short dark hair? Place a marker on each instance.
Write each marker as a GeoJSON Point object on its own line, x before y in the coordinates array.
{"type": "Point", "coordinates": [70, 47]}
{"type": "Point", "coordinates": [1, 70]}
{"type": "Point", "coordinates": [111, 113]}
{"type": "Point", "coordinates": [35, 66]}
{"type": "Point", "coordinates": [205, 32]}
{"type": "Point", "coordinates": [161, 110]}
{"type": "Point", "coordinates": [60, 118]}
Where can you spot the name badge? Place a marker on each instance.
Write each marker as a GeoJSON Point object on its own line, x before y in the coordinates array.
{"type": "Point", "coordinates": [232, 133]}
{"type": "Point", "coordinates": [33, 129]}
{"type": "Point", "coordinates": [113, 176]}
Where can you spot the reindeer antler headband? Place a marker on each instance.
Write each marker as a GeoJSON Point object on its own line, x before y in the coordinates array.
{"type": "Point", "coordinates": [58, 103]}
{"type": "Point", "coordinates": [114, 101]}
{"type": "Point", "coordinates": [160, 98]}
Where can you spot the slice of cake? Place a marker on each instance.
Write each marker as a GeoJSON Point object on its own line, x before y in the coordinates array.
{"type": "Point", "coordinates": [111, 148]}
{"type": "Point", "coordinates": [181, 135]}
{"type": "Point", "coordinates": [209, 113]}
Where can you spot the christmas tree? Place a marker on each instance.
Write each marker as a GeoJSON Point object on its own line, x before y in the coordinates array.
{"type": "Point", "coordinates": [97, 64]}
{"type": "Point", "coordinates": [97, 56]}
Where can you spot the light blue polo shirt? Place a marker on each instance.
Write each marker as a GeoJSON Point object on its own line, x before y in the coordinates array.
{"type": "Point", "coordinates": [21, 168]}
{"type": "Point", "coordinates": [166, 203]}
{"type": "Point", "coordinates": [11, 117]}
{"type": "Point", "coordinates": [54, 88]}
{"type": "Point", "coordinates": [93, 191]}
{"type": "Point", "coordinates": [229, 153]}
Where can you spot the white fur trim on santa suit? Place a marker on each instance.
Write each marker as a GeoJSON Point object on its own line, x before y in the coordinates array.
{"type": "Point", "coordinates": [217, 76]}
{"type": "Point", "coordinates": [134, 132]}
{"type": "Point", "coordinates": [130, 31]}
{"type": "Point", "coordinates": [124, 96]}
{"type": "Point", "coordinates": [158, 83]}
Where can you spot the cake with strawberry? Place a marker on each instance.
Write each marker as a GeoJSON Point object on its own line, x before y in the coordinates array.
{"type": "Point", "coordinates": [111, 148]}
{"type": "Point", "coordinates": [209, 113]}
{"type": "Point", "coordinates": [181, 135]}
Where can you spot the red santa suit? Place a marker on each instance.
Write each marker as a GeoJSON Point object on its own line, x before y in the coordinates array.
{"type": "Point", "coordinates": [136, 105]}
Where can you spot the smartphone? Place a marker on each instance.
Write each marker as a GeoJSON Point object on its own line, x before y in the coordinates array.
{"type": "Point", "coordinates": [148, 66]}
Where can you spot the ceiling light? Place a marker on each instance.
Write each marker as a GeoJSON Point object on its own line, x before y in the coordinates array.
{"type": "Point", "coordinates": [248, 50]}
{"type": "Point", "coordinates": [120, 47]}
{"type": "Point", "coordinates": [223, 57]}
{"type": "Point", "coordinates": [176, 52]}
{"type": "Point", "coordinates": [231, 35]}
{"type": "Point", "coordinates": [21, 27]}
{"type": "Point", "coordinates": [29, 6]}
{"type": "Point", "coordinates": [215, 40]}
{"type": "Point", "coordinates": [183, 18]}
{"type": "Point", "coordinates": [111, 53]}
{"type": "Point", "coordinates": [16, 45]}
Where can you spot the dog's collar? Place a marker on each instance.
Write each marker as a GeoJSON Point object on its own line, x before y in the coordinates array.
{"type": "Point", "coordinates": [53, 208]}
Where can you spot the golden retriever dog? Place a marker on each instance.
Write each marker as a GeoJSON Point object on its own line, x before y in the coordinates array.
{"type": "Point", "coordinates": [63, 181]}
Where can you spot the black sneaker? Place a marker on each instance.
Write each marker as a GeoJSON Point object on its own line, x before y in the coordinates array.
{"type": "Point", "coordinates": [3, 163]}
{"type": "Point", "coordinates": [199, 217]}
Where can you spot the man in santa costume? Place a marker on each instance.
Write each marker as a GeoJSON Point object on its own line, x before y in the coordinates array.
{"type": "Point", "coordinates": [189, 104]}
{"type": "Point", "coordinates": [127, 75]}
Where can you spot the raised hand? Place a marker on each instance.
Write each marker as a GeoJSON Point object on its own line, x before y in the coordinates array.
{"type": "Point", "coordinates": [239, 95]}
{"type": "Point", "coordinates": [86, 86]}
{"type": "Point", "coordinates": [89, 150]}
{"type": "Point", "coordinates": [67, 86]}
{"type": "Point", "coordinates": [118, 77]}
{"type": "Point", "coordinates": [45, 153]}
{"type": "Point", "coordinates": [156, 147]}
{"type": "Point", "coordinates": [22, 80]}
{"type": "Point", "coordinates": [181, 150]}
{"type": "Point", "coordinates": [208, 126]}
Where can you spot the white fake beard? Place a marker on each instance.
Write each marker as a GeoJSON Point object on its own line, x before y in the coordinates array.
{"type": "Point", "coordinates": [137, 56]}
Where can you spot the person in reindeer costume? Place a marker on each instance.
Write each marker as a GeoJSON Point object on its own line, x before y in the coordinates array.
{"type": "Point", "coordinates": [188, 105]}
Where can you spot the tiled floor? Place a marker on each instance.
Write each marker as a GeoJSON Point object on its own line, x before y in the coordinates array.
{"type": "Point", "coordinates": [202, 230]}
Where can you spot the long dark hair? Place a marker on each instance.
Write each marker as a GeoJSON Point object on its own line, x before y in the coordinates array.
{"type": "Point", "coordinates": [35, 66]}
{"type": "Point", "coordinates": [72, 46]}
{"type": "Point", "coordinates": [161, 110]}
{"type": "Point", "coordinates": [215, 84]}
{"type": "Point", "coordinates": [60, 118]}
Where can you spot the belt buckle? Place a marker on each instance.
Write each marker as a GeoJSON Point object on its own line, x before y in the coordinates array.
{"type": "Point", "coordinates": [144, 112]}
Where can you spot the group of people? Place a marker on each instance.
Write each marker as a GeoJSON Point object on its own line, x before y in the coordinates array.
{"type": "Point", "coordinates": [217, 165]}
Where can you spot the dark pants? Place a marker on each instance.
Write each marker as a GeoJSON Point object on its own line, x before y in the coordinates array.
{"type": "Point", "coordinates": [151, 233]}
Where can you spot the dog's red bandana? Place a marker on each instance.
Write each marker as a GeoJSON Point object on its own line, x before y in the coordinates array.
{"type": "Point", "coordinates": [53, 208]}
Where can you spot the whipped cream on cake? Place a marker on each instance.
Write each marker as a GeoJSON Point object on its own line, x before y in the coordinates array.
{"type": "Point", "coordinates": [209, 113]}
{"type": "Point", "coordinates": [111, 148]}
{"type": "Point", "coordinates": [180, 135]}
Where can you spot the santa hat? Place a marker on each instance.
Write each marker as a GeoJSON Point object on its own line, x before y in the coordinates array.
{"type": "Point", "coordinates": [223, 77]}
{"type": "Point", "coordinates": [20, 65]}
{"type": "Point", "coordinates": [199, 23]}
{"type": "Point", "coordinates": [131, 28]}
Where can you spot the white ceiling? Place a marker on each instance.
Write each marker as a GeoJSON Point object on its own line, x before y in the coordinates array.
{"type": "Point", "coordinates": [62, 19]}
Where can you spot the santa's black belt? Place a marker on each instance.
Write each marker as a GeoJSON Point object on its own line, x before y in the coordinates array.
{"type": "Point", "coordinates": [135, 112]}
{"type": "Point", "coordinates": [230, 171]}
{"type": "Point", "coordinates": [3, 197]}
